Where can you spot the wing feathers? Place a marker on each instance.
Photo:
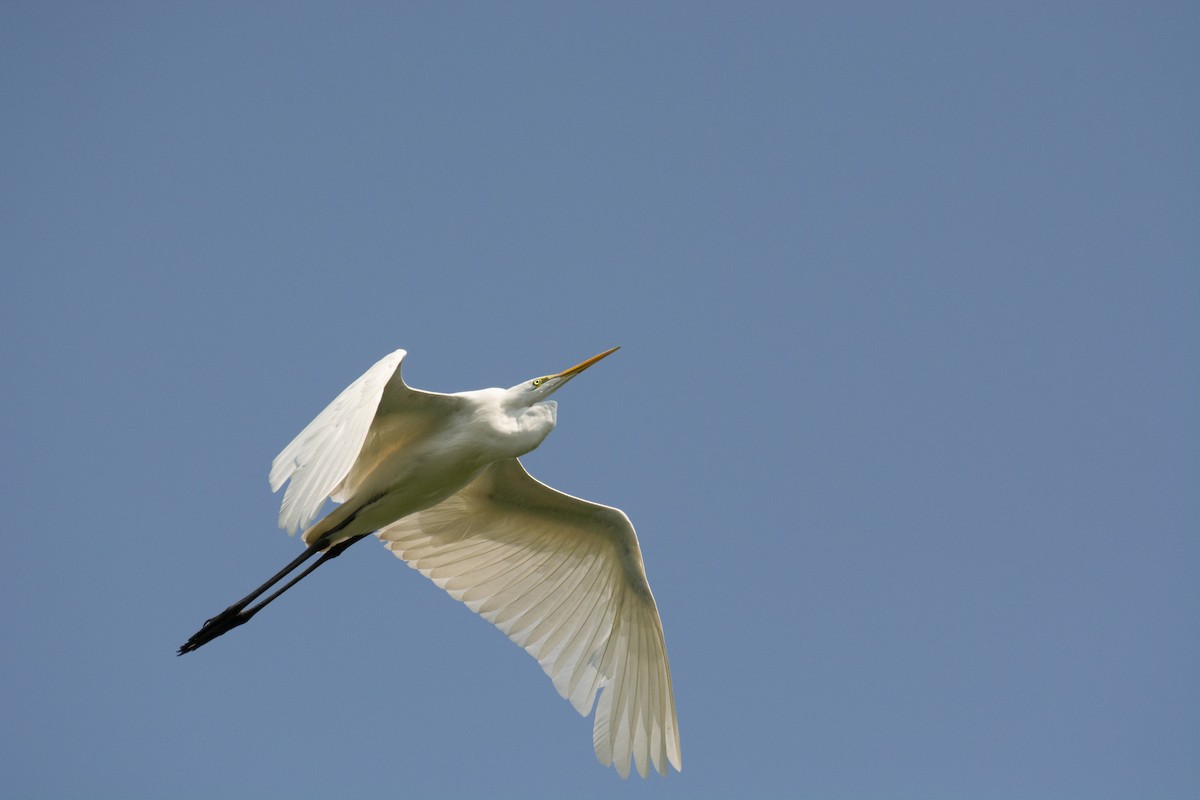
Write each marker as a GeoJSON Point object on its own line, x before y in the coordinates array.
{"type": "Point", "coordinates": [369, 421]}
{"type": "Point", "coordinates": [322, 454]}
{"type": "Point", "coordinates": [563, 579]}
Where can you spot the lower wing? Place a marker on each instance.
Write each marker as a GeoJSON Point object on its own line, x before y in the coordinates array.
{"type": "Point", "coordinates": [563, 578]}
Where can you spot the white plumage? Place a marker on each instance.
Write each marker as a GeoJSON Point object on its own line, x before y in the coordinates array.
{"type": "Point", "coordinates": [436, 478]}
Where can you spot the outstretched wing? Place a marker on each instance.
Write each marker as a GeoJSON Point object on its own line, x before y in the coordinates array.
{"type": "Point", "coordinates": [376, 413]}
{"type": "Point", "coordinates": [564, 579]}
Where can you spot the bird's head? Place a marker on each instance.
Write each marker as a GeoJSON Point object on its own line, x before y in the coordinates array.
{"type": "Point", "coordinates": [539, 389]}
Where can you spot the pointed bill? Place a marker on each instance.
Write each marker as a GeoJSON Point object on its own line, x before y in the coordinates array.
{"type": "Point", "coordinates": [581, 366]}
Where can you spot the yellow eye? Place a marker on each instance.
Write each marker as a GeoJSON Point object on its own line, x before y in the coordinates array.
{"type": "Point", "coordinates": [538, 381]}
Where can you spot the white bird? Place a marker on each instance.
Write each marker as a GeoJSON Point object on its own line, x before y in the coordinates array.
{"type": "Point", "coordinates": [436, 478]}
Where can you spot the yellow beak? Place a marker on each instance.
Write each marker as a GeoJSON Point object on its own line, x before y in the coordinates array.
{"type": "Point", "coordinates": [581, 366]}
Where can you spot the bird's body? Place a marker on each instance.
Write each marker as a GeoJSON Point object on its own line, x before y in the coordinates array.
{"type": "Point", "coordinates": [436, 478]}
{"type": "Point", "coordinates": [409, 463]}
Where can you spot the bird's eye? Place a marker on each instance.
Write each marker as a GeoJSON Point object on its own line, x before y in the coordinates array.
{"type": "Point", "coordinates": [537, 382]}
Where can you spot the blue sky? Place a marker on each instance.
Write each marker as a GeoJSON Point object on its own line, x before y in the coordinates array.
{"type": "Point", "coordinates": [905, 412]}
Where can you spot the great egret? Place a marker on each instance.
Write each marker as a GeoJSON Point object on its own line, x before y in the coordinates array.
{"type": "Point", "coordinates": [436, 478]}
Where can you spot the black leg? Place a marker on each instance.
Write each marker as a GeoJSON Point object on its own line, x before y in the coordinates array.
{"type": "Point", "coordinates": [238, 614]}
{"type": "Point", "coordinates": [330, 554]}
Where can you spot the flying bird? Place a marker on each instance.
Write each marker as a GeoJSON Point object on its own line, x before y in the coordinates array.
{"type": "Point", "coordinates": [437, 478]}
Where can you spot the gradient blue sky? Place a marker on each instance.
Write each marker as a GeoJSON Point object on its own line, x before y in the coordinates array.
{"type": "Point", "coordinates": [906, 413]}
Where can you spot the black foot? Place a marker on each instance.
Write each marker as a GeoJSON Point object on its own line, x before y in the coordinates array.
{"type": "Point", "coordinates": [224, 622]}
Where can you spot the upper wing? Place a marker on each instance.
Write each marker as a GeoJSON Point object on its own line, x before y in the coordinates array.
{"type": "Point", "coordinates": [320, 461]}
{"type": "Point", "coordinates": [564, 579]}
